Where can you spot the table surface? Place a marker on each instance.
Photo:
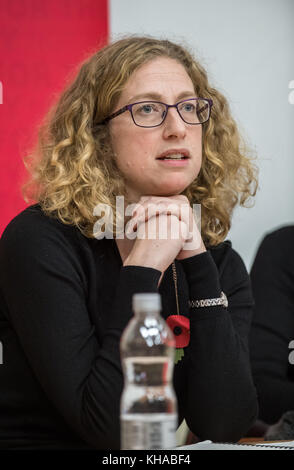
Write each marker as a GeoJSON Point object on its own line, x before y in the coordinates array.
{"type": "Point", "coordinates": [257, 440]}
{"type": "Point", "coordinates": [243, 444]}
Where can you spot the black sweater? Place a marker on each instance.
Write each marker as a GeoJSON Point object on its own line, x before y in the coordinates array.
{"type": "Point", "coordinates": [64, 302]}
{"type": "Point", "coordinates": [273, 324]}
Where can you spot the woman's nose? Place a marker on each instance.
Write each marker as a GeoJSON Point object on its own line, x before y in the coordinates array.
{"type": "Point", "coordinates": [173, 124]}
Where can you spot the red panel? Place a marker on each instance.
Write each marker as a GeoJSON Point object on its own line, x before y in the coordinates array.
{"type": "Point", "coordinates": [41, 43]}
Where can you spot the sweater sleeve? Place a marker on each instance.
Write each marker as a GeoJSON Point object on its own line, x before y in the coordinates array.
{"type": "Point", "coordinates": [272, 330]}
{"type": "Point", "coordinates": [221, 399]}
{"type": "Point", "coordinates": [45, 289]}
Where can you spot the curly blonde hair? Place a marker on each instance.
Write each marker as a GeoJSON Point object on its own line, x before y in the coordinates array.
{"type": "Point", "coordinates": [72, 167]}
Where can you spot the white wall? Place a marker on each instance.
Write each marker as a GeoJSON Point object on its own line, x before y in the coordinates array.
{"type": "Point", "coordinates": [248, 49]}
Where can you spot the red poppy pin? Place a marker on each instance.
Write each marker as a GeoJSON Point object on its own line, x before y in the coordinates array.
{"type": "Point", "coordinates": [180, 326]}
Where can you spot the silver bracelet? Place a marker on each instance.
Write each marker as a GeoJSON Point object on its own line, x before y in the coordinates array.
{"type": "Point", "coordinates": [222, 300]}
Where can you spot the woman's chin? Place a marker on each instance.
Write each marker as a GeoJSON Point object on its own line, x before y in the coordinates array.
{"type": "Point", "coordinates": [171, 190]}
{"type": "Point", "coordinates": [167, 189]}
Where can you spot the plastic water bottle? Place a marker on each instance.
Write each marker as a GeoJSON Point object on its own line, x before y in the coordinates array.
{"type": "Point", "coordinates": [148, 404]}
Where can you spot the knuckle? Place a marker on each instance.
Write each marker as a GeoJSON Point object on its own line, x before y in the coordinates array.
{"type": "Point", "coordinates": [184, 229]}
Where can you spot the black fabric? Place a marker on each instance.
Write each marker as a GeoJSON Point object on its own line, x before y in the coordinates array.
{"type": "Point", "coordinates": [272, 277]}
{"type": "Point", "coordinates": [64, 302]}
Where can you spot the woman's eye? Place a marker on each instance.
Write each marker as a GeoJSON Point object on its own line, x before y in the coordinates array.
{"type": "Point", "coordinates": [188, 107]}
{"type": "Point", "coordinates": [147, 108]}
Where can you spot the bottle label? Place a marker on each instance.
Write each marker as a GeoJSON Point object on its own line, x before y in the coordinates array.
{"type": "Point", "coordinates": [148, 431]}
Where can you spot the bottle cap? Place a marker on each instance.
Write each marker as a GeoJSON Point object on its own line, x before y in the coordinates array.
{"type": "Point", "coordinates": [150, 301]}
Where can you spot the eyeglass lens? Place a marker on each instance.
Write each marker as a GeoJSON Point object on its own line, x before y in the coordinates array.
{"type": "Point", "coordinates": [152, 113]}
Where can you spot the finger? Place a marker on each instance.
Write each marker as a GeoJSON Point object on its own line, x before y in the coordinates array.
{"type": "Point", "coordinates": [178, 229]}
{"type": "Point", "coordinates": [130, 232]}
{"type": "Point", "coordinates": [180, 197]}
{"type": "Point", "coordinates": [153, 210]}
{"type": "Point", "coordinates": [178, 205]}
{"type": "Point", "coordinates": [163, 227]}
{"type": "Point", "coordinates": [152, 203]}
{"type": "Point", "coordinates": [143, 199]}
{"type": "Point", "coordinates": [137, 209]}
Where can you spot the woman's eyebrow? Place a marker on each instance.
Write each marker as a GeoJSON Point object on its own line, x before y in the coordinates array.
{"type": "Point", "coordinates": [157, 96]}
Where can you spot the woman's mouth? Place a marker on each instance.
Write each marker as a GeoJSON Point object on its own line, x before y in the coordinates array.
{"type": "Point", "coordinates": [174, 158]}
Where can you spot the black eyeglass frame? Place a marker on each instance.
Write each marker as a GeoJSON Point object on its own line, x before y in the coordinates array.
{"type": "Point", "coordinates": [129, 107]}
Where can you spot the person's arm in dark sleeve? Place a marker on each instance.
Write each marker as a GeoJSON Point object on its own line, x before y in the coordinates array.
{"type": "Point", "coordinates": [45, 290]}
{"type": "Point", "coordinates": [272, 277]}
{"type": "Point", "coordinates": [221, 399]}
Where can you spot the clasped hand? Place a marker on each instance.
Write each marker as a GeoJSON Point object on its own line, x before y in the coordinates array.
{"type": "Point", "coordinates": [164, 228]}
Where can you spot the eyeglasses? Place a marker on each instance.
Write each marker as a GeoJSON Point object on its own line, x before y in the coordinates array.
{"type": "Point", "coordinates": [152, 113]}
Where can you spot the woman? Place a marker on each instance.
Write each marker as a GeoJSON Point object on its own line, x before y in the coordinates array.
{"type": "Point", "coordinates": [66, 295]}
